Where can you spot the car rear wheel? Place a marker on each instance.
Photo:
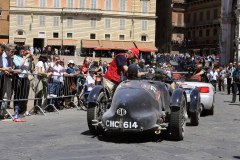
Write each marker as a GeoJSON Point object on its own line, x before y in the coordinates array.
{"type": "Point", "coordinates": [195, 118]}
{"type": "Point", "coordinates": [211, 111]}
{"type": "Point", "coordinates": [178, 121]}
{"type": "Point", "coordinates": [94, 115]}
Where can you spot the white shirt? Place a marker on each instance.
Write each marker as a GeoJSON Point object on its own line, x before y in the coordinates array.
{"type": "Point", "coordinates": [89, 80]}
{"type": "Point", "coordinates": [213, 75]}
{"type": "Point", "coordinates": [40, 64]}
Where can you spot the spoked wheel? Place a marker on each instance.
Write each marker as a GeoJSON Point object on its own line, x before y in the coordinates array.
{"type": "Point", "coordinates": [178, 121]}
{"type": "Point", "coordinates": [94, 114]}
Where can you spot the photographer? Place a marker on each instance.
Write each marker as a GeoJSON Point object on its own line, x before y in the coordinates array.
{"type": "Point", "coordinates": [236, 82]}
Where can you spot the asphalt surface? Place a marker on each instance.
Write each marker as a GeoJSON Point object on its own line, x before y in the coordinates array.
{"type": "Point", "coordinates": [65, 136]}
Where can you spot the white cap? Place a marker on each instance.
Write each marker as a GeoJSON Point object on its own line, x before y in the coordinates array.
{"type": "Point", "coordinates": [70, 61]}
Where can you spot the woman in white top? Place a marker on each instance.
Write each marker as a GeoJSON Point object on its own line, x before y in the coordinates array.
{"type": "Point", "coordinates": [40, 82]}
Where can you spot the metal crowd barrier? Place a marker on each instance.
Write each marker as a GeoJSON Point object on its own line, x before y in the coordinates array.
{"type": "Point", "coordinates": [48, 93]}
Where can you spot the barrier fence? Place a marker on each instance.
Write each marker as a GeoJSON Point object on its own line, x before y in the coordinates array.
{"type": "Point", "coordinates": [48, 93]}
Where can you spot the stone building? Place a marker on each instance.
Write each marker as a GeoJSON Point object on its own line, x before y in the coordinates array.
{"type": "Point", "coordinates": [84, 25]}
{"type": "Point", "coordinates": [202, 20]}
{"type": "Point", "coordinates": [4, 21]}
{"type": "Point", "coordinates": [230, 50]}
{"type": "Point", "coordinates": [170, 26]}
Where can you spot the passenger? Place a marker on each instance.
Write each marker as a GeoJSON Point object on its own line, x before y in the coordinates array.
{"type": "Point", "coordinates": [118, 68]}
{"type": "Point", "coordinates": [199, 71]}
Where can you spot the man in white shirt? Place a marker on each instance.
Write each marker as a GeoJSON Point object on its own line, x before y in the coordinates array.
{"type": "Point", "coordinates": [214, 77]}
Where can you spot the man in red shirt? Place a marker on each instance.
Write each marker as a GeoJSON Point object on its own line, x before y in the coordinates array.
{"type": "Point", "coordinates": [118, 68]}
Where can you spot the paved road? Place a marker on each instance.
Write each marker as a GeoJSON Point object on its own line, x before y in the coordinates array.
{"type": "Point", "coordinates": [65, 136]}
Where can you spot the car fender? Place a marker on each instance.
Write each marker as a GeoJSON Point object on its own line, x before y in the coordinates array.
{"type": "Point", "coordinates": [194, 100]}
{"type": "Point", "coordinates": [176, 98]}
{"type": "Point", "coordinates": [93, 95]}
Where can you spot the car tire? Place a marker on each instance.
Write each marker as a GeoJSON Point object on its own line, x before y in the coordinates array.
{"type": "Point", "coordinates": [194, 119]}
{"type": "Point", "coordinates": [94, 113]}
{"type": "Point", "coordinates": [178, 121]}
{"type": "Point", "coordinates": [211, 111]}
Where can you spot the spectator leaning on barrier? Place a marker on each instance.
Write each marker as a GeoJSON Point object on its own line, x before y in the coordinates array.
{"type": "Point", "coordinates": [70, 82]}
{"type": "Point", "coordinates": [40, 82]}
{"type": "Point", "coordinates": [2, 47]}
{"type": "Point", "coordinates": [8, 65]}
{"type": "Point", "coordinates": [21, 84]}
{"type": "Point", "coordinates": [56, 85]}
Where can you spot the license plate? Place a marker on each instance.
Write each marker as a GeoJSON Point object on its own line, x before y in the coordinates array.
{"type": "Point", "coordinates": [188, 91]}
{"type": "Point", "coordinates": [124, 124]}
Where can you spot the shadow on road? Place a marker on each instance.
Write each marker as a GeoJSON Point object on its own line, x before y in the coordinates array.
{"type": "Point", "coordinates": [236, 157]}
{"type": "Point", "coordinates": [130, 137]}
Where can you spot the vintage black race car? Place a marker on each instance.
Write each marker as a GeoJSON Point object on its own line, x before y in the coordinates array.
{"type": "Point", "coordinates": [141, 105]}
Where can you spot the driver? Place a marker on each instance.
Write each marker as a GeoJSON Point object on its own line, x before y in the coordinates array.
{"type": "Point", "coordinates": [118, 69]}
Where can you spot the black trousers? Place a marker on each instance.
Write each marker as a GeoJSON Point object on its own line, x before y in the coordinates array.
{"type": "Point", "coordinates": [21, 88]}
{"type": "Point", "coordinates": [1, 89]}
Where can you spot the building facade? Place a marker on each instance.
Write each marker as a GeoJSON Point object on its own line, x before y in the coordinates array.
{"type": "Point", "coordinates": [230, 49]}
{"type": "Point", "coordinates": [82, 25]}
{"type": "Point", "coordinates": [202, 20]}
{"type": "Point", "coordinates": [4, 21]}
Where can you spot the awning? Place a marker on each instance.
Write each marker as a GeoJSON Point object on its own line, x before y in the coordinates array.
{"type": "Point", "coordinates": [69, 42]}
{"type": "Point", "coordinates": [54, 42]}
{"type": "Point", "coordinates": [146, 46]}
{"type": "Point", "coordinates": [104, 45]}
{"type": "Point", "coordinates": [19, 40]}
{"type": "Point", "coordinates": [3, 40]}
{"type": "Point", "coordinates": [90, 44]}
{"type": "Point", "coordinates": [123, 45]}
{"type": "Point", "coordinates": [116, 45]}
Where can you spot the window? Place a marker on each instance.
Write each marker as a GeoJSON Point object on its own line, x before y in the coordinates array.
{"type": "Point", "coordinates": [193, 34]}
{"type": "Point", "coordinates": [82, 3]}
{"type": "Point", "coordinates": [93, 22]}
{"type": "Point", "coordinates": [121, 37]}
{"type": "Point", "coordinates": [107, 23]}
{"type": "Point", "coordinates": [108, 5]}
{"type": "Point", "coordinates": [207, 32]}
{"type": "Point", "coordinates": [42, 3]}
{"type": "Point", "coordinates": [69, 35]}
{"type": "Point", "coordinates": [122, 5]}
{"type": "Point", "coordinates": [189, 34]}
{"type": "Point", "coordinates": [208, 15]}
{"type": "Point", "coordinates": [0, 11]}
{"type": "Point", "coordinates": [20, 20]}
{"type": "Point", "coordinates": [92, 36]}
{"type": "Point", "coordinates": [20, 33]}
{"type": "Point", "coordinates": [42, 20]}
{"type": "Point", "coordinates": [215, 13]}
{"type": "Point", "coordinates": [69, 3]}
{"type": "Point", "coordinates": [93, 4]}
{"type": "Point", "coordinates": [107, 36]}
{"type": "Point", "coordinates": [180, 19]}
{"type": "Point", "coordinates": [56, 4]}
{"type": "Point", "coordinates": [69, 21]}
{"type": "Point", "coordinates": [201, 16]}
{"type": "Point", "coordinates": [20, 3]}
{"type": "Point", "coordinates": [55, 21]}
{"type": "Point", "coordinates": [122, 24]}
{"type": "Point", "coordinates": [215, 32]}
{"type": "Point", "coordinates": [143, 38]}
{"type": "Point", "coordinates": [144, 25]}
{"type": "Point", "coordinates": [144, 6]}
{"type": "Point", "coordinates": [188, 18]}
{"type": "Point", "coordinates": [194, 17]}
{"type": "Point", "coordinates": [41, 34]}
{"type": "Point", "coordinates": [200, 33]}
{"type": "Point", "coordinates": [55, 34]}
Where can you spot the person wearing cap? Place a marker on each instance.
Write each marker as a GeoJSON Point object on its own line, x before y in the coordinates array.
{"type": "Point", "coordinates": [118, 68]}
